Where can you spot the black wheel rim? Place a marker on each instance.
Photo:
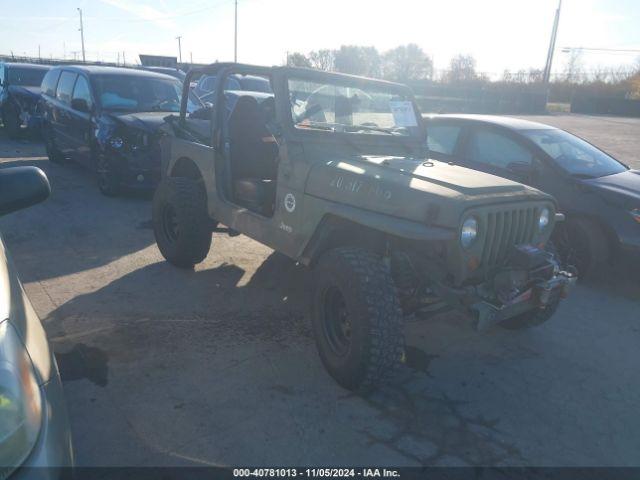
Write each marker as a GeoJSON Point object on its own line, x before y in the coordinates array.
{"type": "Point", "coordinates": [337, 324]}
{"type": "Point", "coordinates": [170, 223]}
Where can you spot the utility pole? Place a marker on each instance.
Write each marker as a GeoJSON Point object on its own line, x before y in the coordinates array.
{"type": "Point", "coordinates": [179, 37]}
{"type": "Point", "coordinates": [191, 57]}
{"type": "Point", "coordinates": [124, 60]}
{"type": "Point", "coordinates": [82, 35]}
{"type": "Point", "coordinates": [552, 45]}
{"type": "Point", "coordinates": [235, 35]}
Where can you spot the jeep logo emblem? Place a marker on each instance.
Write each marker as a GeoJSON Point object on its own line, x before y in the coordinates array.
{"type": "Point", "coordinates": [289, 202]}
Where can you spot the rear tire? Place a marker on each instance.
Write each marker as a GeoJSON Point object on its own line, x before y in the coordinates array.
{"type": "Point", "coordinates": [583, 244]}
{"type": "Point", "coordinates": [54, 155]}
{"type": "Point", "coordinates": [180, 221]}
{"type": "Point", "coordinates": [357, 319]}
{"type": "Point", "coordinates": [11, 122]}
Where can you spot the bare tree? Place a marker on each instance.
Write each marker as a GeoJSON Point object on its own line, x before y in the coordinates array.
{"type": "Point", "coordinates": [462, 68]}
{"type": "Point", "coordinates": [323, 59]}
{"type": "Point", "coordinates": [407, 62]}
{"type": "Point", "coordinates": [297, 59]}
{"type": "Point", "coordinates": [357, 60]}
{"type": "Point", "coordinates": [573, 68]}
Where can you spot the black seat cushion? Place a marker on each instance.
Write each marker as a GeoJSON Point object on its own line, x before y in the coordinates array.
{"type": "Point", "coordinates": [256, 194]}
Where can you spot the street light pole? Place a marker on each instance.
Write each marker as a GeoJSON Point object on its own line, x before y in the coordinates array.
{"type": "Point", "coordinates": [84, 59]}
{"type": "Point", "coordinates": [179, 48]}
{"type": "Point", "coordinates": [552, 45]}
{"type": "Point", "coordinates": [235, 35]}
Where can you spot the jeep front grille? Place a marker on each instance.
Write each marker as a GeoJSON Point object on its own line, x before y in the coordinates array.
{"type": "Point", "coordinates": [505, 228]}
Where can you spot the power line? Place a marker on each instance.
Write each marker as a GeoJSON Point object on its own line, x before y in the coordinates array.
{"type": "Point", "coordinates": [609, 50]}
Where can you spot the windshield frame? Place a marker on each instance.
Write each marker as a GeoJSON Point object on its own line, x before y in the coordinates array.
{"type": "Point", "coordinates": [344, 80]}
{"type": "Point", "coordinates": [525, 133]}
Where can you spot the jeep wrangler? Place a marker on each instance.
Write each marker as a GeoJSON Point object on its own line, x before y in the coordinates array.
{"type": "Point", "coordinates": [332, 170]}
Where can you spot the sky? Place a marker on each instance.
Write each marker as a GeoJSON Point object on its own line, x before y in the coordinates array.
{"type": "Point", "coordinates": [500, 34]}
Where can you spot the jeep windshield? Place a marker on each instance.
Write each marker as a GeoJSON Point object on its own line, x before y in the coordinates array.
{"type": "Point", "coordinates": [359, 109]}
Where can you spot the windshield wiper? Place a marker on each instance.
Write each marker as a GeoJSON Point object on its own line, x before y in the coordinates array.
{"type": "Point", "coordinates": [585, 176]}
{"type": "Point", "coordinates": [356, 128]}
{"type": "Point", "coordinates": [316, 126]}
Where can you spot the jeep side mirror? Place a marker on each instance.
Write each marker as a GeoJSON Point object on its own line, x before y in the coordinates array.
{"type": "Point", "coordinates": [22, 187]}
{"type": "Point", "coordinates": [80, 104]}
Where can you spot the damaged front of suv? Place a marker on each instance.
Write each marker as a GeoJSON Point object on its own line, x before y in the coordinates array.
{"type": "Point", "coordinates": [20, 96]}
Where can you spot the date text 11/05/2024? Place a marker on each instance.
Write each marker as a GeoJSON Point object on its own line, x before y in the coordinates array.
{"type": "Point", "coordinates": [316, 472]}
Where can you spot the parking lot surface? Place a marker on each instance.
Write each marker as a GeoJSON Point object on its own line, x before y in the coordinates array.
{"type": "Point", "coordinates": [217, 366]}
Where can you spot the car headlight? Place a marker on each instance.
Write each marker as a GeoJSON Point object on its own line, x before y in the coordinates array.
{"type": "Point", "coordinates": [543, 220]}
{"type": "Point", "coordinates": [469, 232]}
{"type": "Point", "coordinates": [116, 142]}
{"type": "Point", "coordinates": [20, 402]}
{"type": "Point", "coordinates": [635, 213]}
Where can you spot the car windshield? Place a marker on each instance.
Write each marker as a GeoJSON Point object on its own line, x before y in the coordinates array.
{"type": "Point", "coordinates": [26, 77]}
{"type": "Point", "coordinates": [138, 93]}
{"type": "Point", "coordinates": [255, 84]}
{"type": "Point", "coordinates": [367, 109]}
{"type": "Point", "coordinates": [574, 155]}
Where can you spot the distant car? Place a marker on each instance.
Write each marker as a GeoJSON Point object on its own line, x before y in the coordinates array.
{"type": "Point", "coordinates": [34, 428]}
{"type": "Point", "coordinates": [251, 83]}
{"type": "Point", "coordinates": [107, 118]}
{"type": "Point", "coordinates": [599, 194]}
{"type": "Point", "coordinates": [173, 72]}
{"type": "Point", "coordinates": [19, 96]}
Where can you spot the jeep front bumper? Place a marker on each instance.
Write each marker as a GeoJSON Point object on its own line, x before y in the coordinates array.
{"type": "Point", "coordinates": [540, 295]}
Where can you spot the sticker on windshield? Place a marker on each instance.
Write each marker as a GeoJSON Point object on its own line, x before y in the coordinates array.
{"type": "Point", "coordinates": [403, 114]}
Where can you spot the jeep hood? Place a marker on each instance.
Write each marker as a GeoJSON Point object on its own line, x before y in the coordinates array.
{"type": "Point", "coordinates": [408, 187]}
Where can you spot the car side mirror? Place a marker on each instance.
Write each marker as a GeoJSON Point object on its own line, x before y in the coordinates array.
{"type": "Point", "coordinates": [22, 187]}
{"type": "Point", "coordinates": [80, 104]}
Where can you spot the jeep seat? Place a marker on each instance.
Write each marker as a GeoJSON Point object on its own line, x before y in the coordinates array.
{"type": "Point", "coordinates": [253, 160]}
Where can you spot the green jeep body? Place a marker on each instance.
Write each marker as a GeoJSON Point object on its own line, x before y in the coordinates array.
{"type": "Point", "coordinates": [369, 197]}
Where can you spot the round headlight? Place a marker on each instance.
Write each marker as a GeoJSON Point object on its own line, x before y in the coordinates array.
{"type": "Point", "coordinates": [469, 232]}
{"type": "Point", "coordinates": [543, 221]}
{"type": "Point", "coordinates": [116, 142]}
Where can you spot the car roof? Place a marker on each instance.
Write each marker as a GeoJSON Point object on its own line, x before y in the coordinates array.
{"type": "Point", "coordinates": [33, 66]}
{"type": "Point", "coordinates": [105, 70]}
{"type": "Point", "coordinates": [511, 123]}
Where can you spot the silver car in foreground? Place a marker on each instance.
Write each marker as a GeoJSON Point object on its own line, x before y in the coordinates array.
{"type": "Point", "coordinates": [35, 440]}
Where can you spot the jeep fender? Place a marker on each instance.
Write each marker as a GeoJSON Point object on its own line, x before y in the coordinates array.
{"type": "Point", "coordinates": [343, 219]}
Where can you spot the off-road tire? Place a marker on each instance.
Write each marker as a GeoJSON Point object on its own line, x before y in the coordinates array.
{"type": "Point", "coordinates": [53, 154]}
{"type": "Point", "coordinates": [187, 241]}
{"type": "Point", "coordinates": [11, 122]}
{"type": "Point", "coordinates": [371, 303]}
{"type": "Point", "coordinates": [107, 176]}
{"type": "Point", "coordinates": [582, 244]}
{"type": "Point", "coordinates": [532, 318]}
